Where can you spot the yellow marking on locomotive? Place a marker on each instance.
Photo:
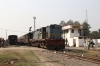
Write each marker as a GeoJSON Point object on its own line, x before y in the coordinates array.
{"type": "Point", "coordinates": [55, 34]}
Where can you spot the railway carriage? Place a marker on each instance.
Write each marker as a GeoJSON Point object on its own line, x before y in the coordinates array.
{"type": "Point", "coordinates": [24, 40]}
{"type": "Point", "coordinates": [12, 39]}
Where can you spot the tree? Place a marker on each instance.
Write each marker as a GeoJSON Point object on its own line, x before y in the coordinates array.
{"type": "Point", "coordinates": [95, 35]}
{"type": "Point", "coordinates": [99, 30]}
{"type": "Point", "coordinates": [86, 28]}
{"type": "Point", "coordinates": [70, 22]}
{"type": "Point", "coordinates": [62, 23]}
{"type": "Point", "coordinates": [76, 23]}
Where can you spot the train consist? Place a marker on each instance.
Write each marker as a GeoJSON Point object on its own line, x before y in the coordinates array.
{"type": "Point", "coordinates": [46, 37]}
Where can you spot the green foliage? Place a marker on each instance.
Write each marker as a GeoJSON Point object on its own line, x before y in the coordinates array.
{"type": "Point", "coordinates": [95, 35]}
{"type": "Point", "coordinates": [76, 23]}
{"type": "Point", "coordinates": [87, 27]}
{"type": "Point", "coordinates": [62, 23]}
{"type": "Point", "coordinates": [25, 58]}
{"type": "Point", "coordinates": [99, 30]}
{"type": "Point", "coordinates": [70, 22]}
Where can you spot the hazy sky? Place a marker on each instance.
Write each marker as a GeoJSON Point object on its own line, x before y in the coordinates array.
{"type": "Point", "coordinates": [18, 15]}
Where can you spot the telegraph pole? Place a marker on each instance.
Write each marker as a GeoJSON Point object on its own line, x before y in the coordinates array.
{"type": "Point", "coordinates": [6, 34]}
{"type": "Point", "coordinates": [34, 22]}
{"type": "Point", "coordinates": [86, 17]}
{"type": "Point", "coordinates": [86, 20]}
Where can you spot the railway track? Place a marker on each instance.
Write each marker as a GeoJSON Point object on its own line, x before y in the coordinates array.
{"type": "Point", "coordinates": [77, 56]}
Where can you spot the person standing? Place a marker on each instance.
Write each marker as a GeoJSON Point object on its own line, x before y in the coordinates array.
{"type": "Point", "coordinates": [84, 43]}
{"type": "Point", "coordinates": [0, 42]}
{"type": "Point", "coordinates": [3, 42]}
{"type": "Point", "coordinates": [92, 43]}
{"type": "Point", "coordinates": [66, 42]}
{"type": "Point", "coordinates": [89, 44]}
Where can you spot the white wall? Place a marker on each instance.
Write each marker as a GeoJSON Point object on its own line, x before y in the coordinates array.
{"type": "Point", "coordinates": [74, 41]}
{"type": "Point", "coordinates": [71, 42]}
{"type": "Point", "coordinates": [96, 42]}
{"type": "Point", "coordinates": [74, 34]}
{"type": "Point", "coordinates": [67, 35]}
{"type": "Point", "coordinates": [79, 42]}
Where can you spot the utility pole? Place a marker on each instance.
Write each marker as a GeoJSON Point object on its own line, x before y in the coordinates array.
{"type": "Point", "coordinates": [34, 22]}
{"type": "Point", "coordinates": [86, 20]}
{"type": "Point", "coordinates": [86, 17]}
{"type": "Point", "coordinates": [6, 34]}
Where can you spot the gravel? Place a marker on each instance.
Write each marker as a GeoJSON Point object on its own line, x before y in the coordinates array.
{"type": "Point", "coordinates": [64, 60]}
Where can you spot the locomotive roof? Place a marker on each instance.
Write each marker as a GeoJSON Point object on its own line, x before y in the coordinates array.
{"type": "Point", "coordinates": [12, 35]}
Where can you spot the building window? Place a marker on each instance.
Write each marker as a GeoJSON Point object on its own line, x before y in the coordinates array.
{"type": "Point", "coordinates": [84, 37]}
{"type": "Point", "coordinates": [80, 37]}
{"type": "Point", "coordinates": [66, 31]}
{"type": "Point", "coordinates": [79, 30]}
{"type": "Point", "coordinates": [72, 30]}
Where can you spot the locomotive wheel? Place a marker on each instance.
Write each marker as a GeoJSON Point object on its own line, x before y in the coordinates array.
{"type": "Point", "coordinates": [44, 46]}
{"type": "Point", "coordinates": [41, 45]}
{"type": "Point", "coordinates": [33, 44]}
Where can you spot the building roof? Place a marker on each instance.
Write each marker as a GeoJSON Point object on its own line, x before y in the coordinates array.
{"type": "Point", "coordinates": [72, 27]}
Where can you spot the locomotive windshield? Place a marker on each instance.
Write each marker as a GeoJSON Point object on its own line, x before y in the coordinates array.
{"type": "Point", "coordinates": [55, 32]}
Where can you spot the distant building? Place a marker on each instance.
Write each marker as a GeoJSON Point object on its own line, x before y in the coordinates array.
{"type": "Point", "coordinates": [74, 35]}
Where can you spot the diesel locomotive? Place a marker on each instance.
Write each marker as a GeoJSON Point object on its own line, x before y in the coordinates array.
{"type": "Point", "coordinates": [49, 37]}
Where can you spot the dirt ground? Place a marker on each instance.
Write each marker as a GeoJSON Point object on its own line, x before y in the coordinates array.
{"type": "Point", "coordinates": [33, 56]}
{"type": "Point", "coordinates": [46, 61]}
{"type": "Point", "coordinates": [14, 51]}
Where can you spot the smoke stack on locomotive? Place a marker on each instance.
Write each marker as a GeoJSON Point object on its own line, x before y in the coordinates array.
{"type": "Point", "coordinates": [46, 37]}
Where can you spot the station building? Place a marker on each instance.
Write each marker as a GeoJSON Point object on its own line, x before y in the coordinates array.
{"type": "Point", "coordinates": [74, 35]}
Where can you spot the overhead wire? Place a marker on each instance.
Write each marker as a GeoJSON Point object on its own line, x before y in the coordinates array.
{"type": "Point", "coordinates": [13, 30]}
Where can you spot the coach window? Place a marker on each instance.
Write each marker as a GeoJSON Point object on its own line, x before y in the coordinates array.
{"type": "Point", "coordinates": [72, 30]}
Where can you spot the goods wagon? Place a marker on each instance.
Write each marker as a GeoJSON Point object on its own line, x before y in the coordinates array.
{"type": "Point", "coordinates": [12, 39]}
{"type": "Point", "coordinates": [48, 37]}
